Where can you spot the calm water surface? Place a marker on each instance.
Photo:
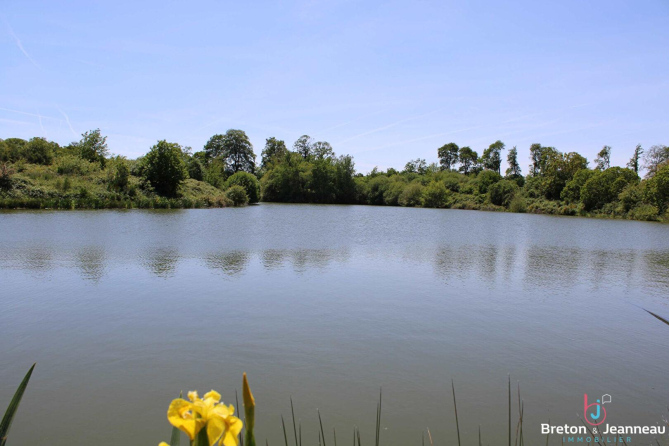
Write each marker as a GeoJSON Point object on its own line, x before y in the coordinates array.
{"type": "Point", "coordinates": [326, 304]}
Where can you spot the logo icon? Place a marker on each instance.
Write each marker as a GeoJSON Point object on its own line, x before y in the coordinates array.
{"type": "Point", "coordinates": [595, 416]}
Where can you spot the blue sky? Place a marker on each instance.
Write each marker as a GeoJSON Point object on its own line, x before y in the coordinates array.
{"type": "Point", "coordinates": [383, 81]}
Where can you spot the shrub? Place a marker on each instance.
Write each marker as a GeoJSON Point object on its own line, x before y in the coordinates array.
{"type": "Point", "coordinates": [485, 179]}
{"type": "Point", "coordinates": [237, 195]}
{"type": "Point", "coordinates": [644, 212]}
{"type": "Point", "coordinates": [195, 169]}
{"type": "Point", "coordinates": [412, 195]}
{"type": "Point", "coordinates": [73, 165]}
{"type": "Point", "coordinates": [248, 181]}
{"type": "Point", "coordinates": [517, 204]}
{"type": "Point", "coordinates": [164, 168]}
{"type": "Point", "coordinates": [119, 174]}
{"type": "Point", "coordinates": [605, 187]}
{"type": "Point", "coordinates": [656, 189]}
{"type": "Point", "coordinates": [39, 151]}
{"type": "Point", "coordinates": [502, 192]}
{"type": "Point", "coordinates": [6, 173]}
{"type": "Point", "coordinates": [435, 195]}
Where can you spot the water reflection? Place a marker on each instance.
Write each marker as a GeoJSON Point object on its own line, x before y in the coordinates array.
{"type": "Point", "coordinates": [230, 263]}
{"type": "Point", "coordinates": [91, 262]}
{"type": "Point", "coordinates": [162, 261]}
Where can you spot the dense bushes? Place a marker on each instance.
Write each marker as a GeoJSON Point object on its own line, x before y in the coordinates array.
{"type": "Point", "coordinates": [249, 183]}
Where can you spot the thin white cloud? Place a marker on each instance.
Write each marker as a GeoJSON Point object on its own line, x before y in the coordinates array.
{"type": "Point", "coordinates": [409, 141]}
{"type": "Point", "coordinates": [67, 119]}
{"type": "Point", "coordinates": [20, 45]}
{"type": "Point", "coordinates": [29, 114]}
{"type": "Point", "coordinates": [388, 126]}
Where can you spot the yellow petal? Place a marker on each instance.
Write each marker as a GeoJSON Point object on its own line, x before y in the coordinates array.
{"type": "Point", "coordinates": [193, 395]}
{"type": "Point", "coordinates": [213, 394]}
{"type": "Point", "coordinates": [216, 426]}
{"type": "Point", "coordinates": [233, 428]}
{"type": "Point", "coordinates": [180, 415]}
{"type": "Point", "coordinates": [162, 443]}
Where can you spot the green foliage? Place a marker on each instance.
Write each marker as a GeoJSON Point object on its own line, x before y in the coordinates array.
{"type": "Point", "coordinates": [412, 195]}
{"type": "Point", "coordinates": [558, 169]}
{"type": "Point", "coordinates": [634, 163]}
{"type": "Point", "coordinates": [655, 157]}
{"type": "Point", "coordinates": [491, 158]}
{"type": "Point", "coordinates": [119, 173]}
{"type": "Point", "coordinates": [6, 173]}
{"type": "Point", "coordinates": [448, 155]}
{"type": "Point", "coordinates": [11, 149]}
{"type": "Point", "coordinates": [164, 168]}
{"type": "Point", "coordinates": [603, 158]}
{"type": "Point", "coordinates": [274, 151]}
{"type": "Point", "coordinates": [468, 159]}
{"type": "Point", "coordinates": [502, 192]}
{"type": "Point", "coordinates": [237, 195]}
{"type": "Point", "coordinates": [644, 212]}
{"type": "Point", "coordinates": [234, 149]}
{"type": "Point", "coordinates": [517, 204]}
{"type": "Point", "coordinates": [74, 165]}
{"type": "Point", "coordinates": [539, 156]}
{"type": "Point", "coordinates": [514, 170]}
{"type": "Point", "coordinates": [573, 188]}
{"type": "Point", "coordinates": [7, 419]}
{"type": "Point", "coordinates": [93, 147]}
{"type": "Point", "coordinates": [605, 186]}
{"type": "Point", "coordinates": [485, 179]}
{"type": "Point", "coordinates": [435, 195]}
{"type": "Point", "coordinates": [249, 182]}
{"type": "Point", "coordinates": [195, 169]}
{"type": "Point", "coordinates": [656, 188]}
{"type": "Point", "coordinates": [39, 151]}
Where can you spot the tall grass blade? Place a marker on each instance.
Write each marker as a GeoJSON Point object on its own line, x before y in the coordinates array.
{"type": "Point", "coordinates": [660, 318]}
{"type": "Point", "coordinates": [458, 430]}
{"type": "Point", "coordinates": [547, 443]}
{"type": "Point", "coordinates": [321, 424]}
{"type": "Point", "coordinates": [480, 434]}
{"type": "Point", "coordinates": [13, 406]}
{"type": "Point", "coordinates": [334, 437]}
{"type": "Point", "coordinates": [509, 411]}
{"type": "Point", "coordinates": [379, 417]}
{"type": "Point", "coordinates": [283, 426]}
{"type": "Point", "coordinates": [295, 432]}
{"type": "Point", "coordinates": [237, 407]}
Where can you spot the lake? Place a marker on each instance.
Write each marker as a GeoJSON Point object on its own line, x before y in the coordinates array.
{"type": "Point", "coordinates": [122, 310]}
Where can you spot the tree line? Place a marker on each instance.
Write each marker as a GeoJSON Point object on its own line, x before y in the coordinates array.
{"type": "Point", "coordinates": [311, 172]}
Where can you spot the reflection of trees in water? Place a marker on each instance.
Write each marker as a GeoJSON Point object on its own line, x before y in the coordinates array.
{"type": "Point", "coordinates": [303, 259]}
{"type": "Point", "coordinates": [162, 262]}
{"type": "Point", "coordinates": [655, 268]}
{"type": "Point", "coordinates": [231, 263]}
{"type": "Point", "coordinates": [273, 258]}
{"type": "Point", "coordinates": [36, 259]}
{"type": "Point", "coordinates": [91, 262]}
{"type": "Point", "coordinates": [551, 266]}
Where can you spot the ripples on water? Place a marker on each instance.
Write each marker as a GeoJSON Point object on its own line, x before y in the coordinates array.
{"type": "Point", "coordinates": [326, 303]}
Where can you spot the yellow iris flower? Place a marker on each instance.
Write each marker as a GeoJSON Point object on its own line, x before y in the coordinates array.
{"type": "Point", "coordinates": [191, 416]}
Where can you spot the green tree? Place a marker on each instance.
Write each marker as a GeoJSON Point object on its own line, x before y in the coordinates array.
{"type": "Point", "coordinates": [573, 188]}
{"type": "Point", "coordinates": [237, 195]}
{"type": "Point", "coordinates": [634, 162]}
{"type": "Point", "coordinates": [435, 195]}
{"type": "Point", "coordinates": [605, 186]}
{"type": "Point", "coordinates": [603, 159]}
{"type": "Point", "coordinates": [119, 174]}
{"type": "Point", "coordinates": [322, 150]}
{"type": "Point", "coordinates": [39, 151]}
{"type": "Point", "coordinates": [214, 148]}
{"type": "Point", "coordinates": [539, 155]}
{"type": "Point", "coordinates": [303, 146]}
{"type": "Point", "coordinates": [559, 168]}
{"type": "Point", "coordinates": [249, 182]}
{"type": "Point", "coordinates": [416, 166]}
{"type": "Point", "coordinates": [195, 168]}
{"type": "Point", "coordinates": [502, 192]}
{"type": "Point", "coordinates": [514, 170]}
{"type": "Point", "coordinates": [653, 159]}
{"type": "Point", "coordinates": [93, 147]}
{"type": "Point", "coordinates": [448, 155]}
{"type": "Point", "coordinates": [275, 150]}
{"type": "Point", "coordinates": [656, 188]}
{"type": "Point", "coordinates": [238, 151]}
{"type": "Point", "coordinates": [492, 156]}
{"type": "Point", "coordinates": [164, 168]}
{"type": "Point", "coordinates": [412, 195]}
{"type": "Point", "coordinates": [468, 159]}
{"type": "Point", "coordinates": [485, 179]}
{"type": "Point", "coordinates": [13, 149]}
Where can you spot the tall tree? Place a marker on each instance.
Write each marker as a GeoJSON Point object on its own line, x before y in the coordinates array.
{"type": "Point", "coordinates": [603, 158]}
{"type": "Point", "coordinates": [468, 159]}
{"type": "Point", "coordinates": [93, 147]}
{"type": "Point", "coordinates": [539, 156]}
{"type": "Point", "coordinates": [655, 158]}
{"type": "Point", "coordinates": [448, 155]}
{"type": "Point", "coordinates": [275, 149]}
{"type": "Point", "coordinates": [634, 162]}
{"type": "Point", "coordinates": [214, 148]}
{"type": "Point", "coordinates": [303, 146]}
{"type": "Point", "coordinates": [491, 158]}
{"type": "Point", "coordinates": [322, 150]}
{"type": "Point", "coordinates": [514, 170]}
{"type": "Point", "coordinates": [238, 151]}
{"type": "Point", "coordinates": [165, 168]}
{"type": "Point", "coordinates": [416, 166]}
